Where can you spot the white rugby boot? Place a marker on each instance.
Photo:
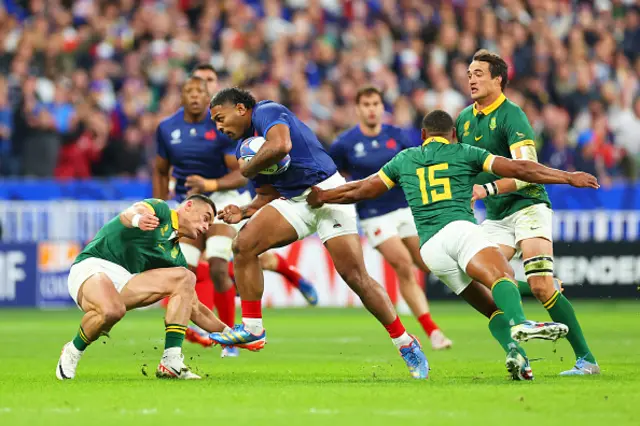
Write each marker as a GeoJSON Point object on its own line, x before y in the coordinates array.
{"type": "Point", "coordinates": [68, 362]}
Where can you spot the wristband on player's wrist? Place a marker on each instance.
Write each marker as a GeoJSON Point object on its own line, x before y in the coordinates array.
{"type": "Point", "coordinates": [135, 220]}
{"type": "Point", "coordinates": [490, 188]}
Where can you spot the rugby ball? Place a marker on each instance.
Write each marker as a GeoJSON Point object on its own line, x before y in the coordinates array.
{"type": "Point", "coordinates": [250, 146]}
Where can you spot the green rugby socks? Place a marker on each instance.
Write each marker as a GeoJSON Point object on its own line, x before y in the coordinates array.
{"type": "Point", "coordinates": [507, 297]}
{"type": "Point", "coordinates": [501, 331]}
{"type": "Point", "coordinates": [561, 310]}
{"type": "Point", "coordinates": [174, 335]}
{"type": "Point", "coordinates": [81, 341]}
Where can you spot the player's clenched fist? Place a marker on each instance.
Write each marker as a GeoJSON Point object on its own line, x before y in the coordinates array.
{"type": "Point", "coordinates": [231, 214]}
{"type": "Point", "coordinates": [583, 180]}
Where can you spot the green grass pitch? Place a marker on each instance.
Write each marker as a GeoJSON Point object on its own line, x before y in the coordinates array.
{"type": "Point", "coordinates": [321, 367]}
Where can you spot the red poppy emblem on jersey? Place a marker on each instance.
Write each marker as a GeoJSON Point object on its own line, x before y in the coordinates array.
{"type": "Point", "coordinates": [392, 144]}
{"type": "Point", "coordinates": [210, 135]}
{"type": "Point", "coordinates": [377, 232]}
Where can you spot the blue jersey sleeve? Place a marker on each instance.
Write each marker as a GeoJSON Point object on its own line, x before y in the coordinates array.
{"type": "Point", "coordinates": [161, 144]}
{"type": "Point", "coordinates": [268, 115]}
{"type": "Point", "coordinates": [338, 154]}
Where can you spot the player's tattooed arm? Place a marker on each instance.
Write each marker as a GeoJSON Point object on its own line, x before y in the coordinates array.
{"type": "Point", "coordinates": [349, 193]}
{"type": "Point", "coordinates": [234, 214]}
{"type": "Point", "coordinates": [140, 215]}
{"type": "Point", "coordinates": [531, 171]}
{"type": "Point", "coordinates": [276, 147]}
{"type": "Point", "coordinates": [161, 178]}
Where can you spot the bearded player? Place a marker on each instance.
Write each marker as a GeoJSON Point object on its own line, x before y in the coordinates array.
{"type": "Point", "coordinates": [386, 221]}
{"type": "Point", "coordinates": [437, 180]}
{"type": "Point", "coordinates": [134, 261]}
{"type": "Point", "coordinates": [203, 161]}
{"type": "Point", "coordinates": [280, 208]}
{"type": "Point", "coordinates": [519, 215]}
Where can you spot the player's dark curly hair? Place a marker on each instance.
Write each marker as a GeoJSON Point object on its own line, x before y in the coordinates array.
{"type": "Point", "coordinates": [437, 122]}
{"type": "Point", "coordinates": [497, 66]}
{"type": "Point", "coordinates": [204, 199]}
{"type": "Point", "coordinates": [234, 96]}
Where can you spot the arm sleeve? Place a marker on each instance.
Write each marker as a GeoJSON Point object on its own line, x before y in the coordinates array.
{"type": "Point", "coordinates": [390, 173]}
{"type": "Point", "coordinates": [267, 116]}
{"type": "Point", "coordinates": [338, 154]}
{"type": "Point", "coordinates": [161, 145]}
{"type": "Point", "coordinates": [480, 159]}
{"type": "Point", "coordinates": [520, 137]}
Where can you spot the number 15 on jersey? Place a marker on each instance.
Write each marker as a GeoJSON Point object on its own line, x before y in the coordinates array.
{"type": "Point", "coordinates": [440, 187]}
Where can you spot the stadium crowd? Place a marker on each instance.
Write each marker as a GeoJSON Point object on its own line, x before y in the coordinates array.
{"type": "Point", "coordinates": [84, 83]}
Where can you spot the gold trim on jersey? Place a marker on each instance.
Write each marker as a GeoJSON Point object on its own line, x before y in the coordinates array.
{"type": "Point", "coordinates": [522, 143]}
{"type": "Point", "coordinates": [386, 179]}
{"type": "Point", "coordinates": [494, 106]}
{"type": "Point", "coordinates": [149, 206]}
{"type": "Point", "coordinates": [174, 219]}
{"type": "Point", "coordinates": [486, 166]}
{"type": "Point", "coordinates": [435, 139]}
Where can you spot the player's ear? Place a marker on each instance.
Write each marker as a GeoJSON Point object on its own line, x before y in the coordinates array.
{"type": "Point", "coordinates": [241, 108]}
{"type": "Point", "coordinates": [423, 134]}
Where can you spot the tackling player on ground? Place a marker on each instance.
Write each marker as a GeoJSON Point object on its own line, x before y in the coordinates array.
{"type": "Point", "coordinates": [519, 215]}
{"type": "Point", "coordinates": [204, 161]}
{"type": "Point", "coordinates": [280, 208]}
{"type": "Point", "coordinates": [134, 261]}
{"type": "Point", "coordinates": [437, 180]}
{"type": "Point", "coordinates": [387, 221]}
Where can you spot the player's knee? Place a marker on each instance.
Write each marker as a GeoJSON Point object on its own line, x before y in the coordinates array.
{"type": "Point", "coordinates": [496, 272]}
{"type": "Point", "coordinates": [404, 271]}
{"type": "Point", "coordinates": [244, 245]}
{"type": "Point", "coordinates": [113, 312]}
{"type": "Point", "coordinates": [354, 277]}
{"type": "Point", "coordinates": [182, 280]}
{"type": "Point", "coordinates": [539, 272]}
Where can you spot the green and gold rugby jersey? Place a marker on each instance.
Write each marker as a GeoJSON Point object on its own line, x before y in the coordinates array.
{"type": "Point", "coordinates": [137, 250]}
{"type": "Point", "coordinates": [502, 129]}
{"type": "Point", "coordinates": [437, 180]}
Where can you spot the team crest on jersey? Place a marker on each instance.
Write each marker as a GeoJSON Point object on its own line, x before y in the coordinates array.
{"type": "Point", "coordinates": [492, 123]}
{"type": "Point", "coordinates": [175, 137]}
{"type": "Point", "coordinates": [466, 128]}
{"type": "Point", "coordinates": [359, 149]}
{"type": "Point", "coordinates": [210, 135]}
{"type": "Point", "coordinates": [391, 144]}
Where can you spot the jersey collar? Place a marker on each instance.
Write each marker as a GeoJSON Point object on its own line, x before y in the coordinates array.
{"type": "Point", "coordinates": [494, 106]}
{"type": "Point", "coordinates": [435, 139]}
{"type": "Point", "coordinates": [174, 219]}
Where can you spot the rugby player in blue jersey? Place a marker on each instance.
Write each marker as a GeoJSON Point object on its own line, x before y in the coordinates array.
{"type": "Point", "coordinates": [203, 161]}
{"type": "Point", "coordinates": [280, 215]}
{"type": "Point", "coordinates": [387, 221]}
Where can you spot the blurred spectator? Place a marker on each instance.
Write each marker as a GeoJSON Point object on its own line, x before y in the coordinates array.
{"type": "Point", "coordinates": [87, 81]}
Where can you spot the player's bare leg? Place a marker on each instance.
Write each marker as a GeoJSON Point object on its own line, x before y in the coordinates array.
{"type": "Point", "coordinates": [103, 308]}
{"type": "Point", "coordinates": [537, 255]}
{"type": "Point", "coordinates": [348, 259]}
{"type": "Point", "coordinates": [250, 243]}
{"type": "Point", "coordinates": [491, 268]}
{"type": "Point", "coordinates": [272, 261]}
{"type": "Point", "coordinates": [179, 285]}
{"type": "Point", "coordinates": [480, 298]}
{"type": "Point", "coordinates": [396, 253]}
{"type": "Point", "coordinates": [418, 295]}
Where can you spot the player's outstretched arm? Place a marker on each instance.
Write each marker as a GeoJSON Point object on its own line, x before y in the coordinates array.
{"type": "Point", "coordinates": [140, 215]}
{"type": "Point", "coordinates": [232, 180]}
{"type": "Point", "coordinates": [349, 193]}
{"type": "Point", "coordinates": [533, 172]}
{"type": "Point", "coordinates": [276, 147]}
{"type": "Point", "coordinates": [232, 214]}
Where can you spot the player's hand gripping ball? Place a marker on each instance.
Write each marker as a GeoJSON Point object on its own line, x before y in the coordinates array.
{"type": "Point", "coordinates": [250, 146]}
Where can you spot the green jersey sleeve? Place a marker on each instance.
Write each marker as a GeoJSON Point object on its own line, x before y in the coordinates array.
{"type": "Point", "coordinates": [160, 208]}
{"type": "Point", "coordinates": [390, 172]}
{"type": "Point", "coordinates": [480, 159]}
{"type": "Point", "coordinates": [518, 132]}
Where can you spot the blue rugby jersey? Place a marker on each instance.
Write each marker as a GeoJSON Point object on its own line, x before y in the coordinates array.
{"type": "Point", "coordinates": [310, 162]}
{"type": "Point", "coordinates": [193, 149]}
{"type": "Point", "coordinates": [361, 156]}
